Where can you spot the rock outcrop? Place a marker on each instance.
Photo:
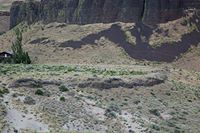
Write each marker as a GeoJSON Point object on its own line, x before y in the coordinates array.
{"type": "Point", "coordinates": [95, 11]}
{"type": "Point", "coordinates": [145, 81]}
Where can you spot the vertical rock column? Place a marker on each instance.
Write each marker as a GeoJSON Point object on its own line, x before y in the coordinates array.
{"type": "Point", "coordinates": [158, 11]}
{"type": "Point", "coordinates": [24, 11]}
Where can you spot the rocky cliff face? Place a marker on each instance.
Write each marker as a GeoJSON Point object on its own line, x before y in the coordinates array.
{"type": "Point", "coordinates": [95, 11]}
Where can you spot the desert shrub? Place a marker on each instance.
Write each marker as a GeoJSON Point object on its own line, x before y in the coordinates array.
{"type": "Point", "coordinates": [1, 33]}
{"type": "Point", "coordinates": [62, 99]}
{"type": "Point", "coordinates": [63, 88]}
{"type": "Point", "coordinates": [154, 112]}
{"type": "Point", "coordinates": [19, 55]}
{"type": "Point", "coordinates": [3, 91]}
{"type": "Point", "coordinates": [177, 131]}
{"type": "Point", "coordinates": [155, 127]}
{"type": "Point", "coordinates": [111, 110]}
{"type": "Point", "coordinates": [39, 92]}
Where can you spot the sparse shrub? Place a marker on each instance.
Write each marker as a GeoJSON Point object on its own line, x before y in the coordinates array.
{"type": "Point", "coordinates": [168, 93]}
{"type": "Point", "coordinates": [139, 107]}
{"type": "Point", "coordinates": [137, 102]}
{"type": "Point", "coordinates": [39, 92]}
{"type": "Point", "coordinates": [112, 99]}
{"type": "Point", "coordinates": [154, 112]}
{"type": "Point", "coordinates": [184, 21]}
{"type": "Point", "coordinates": [90, 97]}
{"type": "Point", "coordinates": [63, 88]}
{"type": "Point", "coordinates": [71, 69]}
{"type": "Point", "coordinates": [1, 33]}
{"type": "Point", "coordinates": [111, 110]}
{"type": "Point", "coordinates": [62, 99]}
{"type": "Point", "coordinates": [3, 91]}
{"type": "Point", "coordinates": [153, 94]}
{"type": "Point", "coordinates": [111, 114]}
{"type": "Point", "coordinates": [177, 131]}
{"type": "Point", "coordinates": [19, 55]}
{"type": "Point", "coordinates": [197, 92]}
{"type": "Point", "coordinates": [110, 73]}
{"type": "Point", "coordinates": [155, 127]}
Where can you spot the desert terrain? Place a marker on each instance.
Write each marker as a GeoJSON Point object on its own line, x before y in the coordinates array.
{"type": "Point", "coordinates": [102, 78]}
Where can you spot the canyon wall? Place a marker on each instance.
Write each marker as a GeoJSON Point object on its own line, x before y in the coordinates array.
{"type": "Point", "coordinates": [98, 11]}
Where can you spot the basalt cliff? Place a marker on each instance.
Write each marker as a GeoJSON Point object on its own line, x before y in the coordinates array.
{"type": "Point", "coordinates": [98, 11]}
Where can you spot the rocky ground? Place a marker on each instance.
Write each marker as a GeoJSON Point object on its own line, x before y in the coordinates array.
{"type": "Point", "coordinates": [80, 98]}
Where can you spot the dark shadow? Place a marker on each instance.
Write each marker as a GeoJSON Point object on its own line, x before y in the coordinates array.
{"type": "Point", "coordinates": [142, 50]}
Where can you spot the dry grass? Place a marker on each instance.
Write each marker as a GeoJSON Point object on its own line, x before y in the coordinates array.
{"type": "Point", "coordinates": [105, 52]}
{"type": "Point", "coordinates": [190, 60]}
{"type": "Point", "coordinates": [172, 31]}
{"type": "Point", "coordinates": [4, 23]}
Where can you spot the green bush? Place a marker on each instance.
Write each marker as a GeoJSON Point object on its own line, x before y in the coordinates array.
{"type": "Point", "coordinates": [154, 112]}
{"type": "Point", "coordinates": [3, 91]}
{"type": "Point", "coordinates": [62, 99]}
{"type": "Point", "coordinates": [63, 88]}
{"type": "Point", "coordinates": [111, 110]}
{"type": "Point", "coordinates": [155, 127]}
{"type": "Point", "coordinates": [19, 55]}
{"type": "Point", "coordinates": [39, 92]}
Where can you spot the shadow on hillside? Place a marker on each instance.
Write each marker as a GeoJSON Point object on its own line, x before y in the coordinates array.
{"type": "Point", "coordinates": [142, 50]}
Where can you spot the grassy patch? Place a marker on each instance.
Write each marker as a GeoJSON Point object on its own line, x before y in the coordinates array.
{"type": "Point", "coordinates": [7, 69]}
{"type": "Point", "coordinates": [3, 7]}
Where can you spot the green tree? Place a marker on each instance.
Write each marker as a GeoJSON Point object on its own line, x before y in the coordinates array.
{"type": "Point", "coordinates": [19, 55]}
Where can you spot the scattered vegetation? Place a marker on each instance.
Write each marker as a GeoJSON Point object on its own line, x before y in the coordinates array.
{"type": "Point", "coordinates": [111, 110]}
{"type": "Point", "coordinates": [61, 69]}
